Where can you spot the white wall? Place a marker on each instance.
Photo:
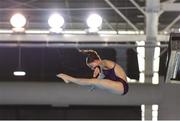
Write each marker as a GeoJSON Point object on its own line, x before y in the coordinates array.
{"type": "Point", "coordinates": [165, 95]}
{"type": "Point", "coordinates": [169, 105]}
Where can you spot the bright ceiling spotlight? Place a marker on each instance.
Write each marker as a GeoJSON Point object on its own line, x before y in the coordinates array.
{"type": "Point", "coordinates": [56, 21]}
{"type": "Point", "coordinates": [94, 21]}
{"type": "Point", "coordinates": [18, 20]}
{"type": "Point", "coordinates": [19, 73]}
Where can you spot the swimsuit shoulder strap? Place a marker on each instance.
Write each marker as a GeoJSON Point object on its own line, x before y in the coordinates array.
{"type": "Point", "coordinates": [114, 65]}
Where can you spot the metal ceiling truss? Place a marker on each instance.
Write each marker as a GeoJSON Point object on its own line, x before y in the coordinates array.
{"type": "Point", "coordinates": [168, 27]}
{"type": "Point", "coordinates": [121, 15]}
{"type": "Point", "coordinates": [19, 4]}
{"type": "Point", "coordinates": [168, 1]}
{"type": "Point", "coordinates": [137, 6]}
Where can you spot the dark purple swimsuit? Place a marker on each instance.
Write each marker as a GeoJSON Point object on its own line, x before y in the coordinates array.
{"type": "Point", "coordinates": [110, 74]}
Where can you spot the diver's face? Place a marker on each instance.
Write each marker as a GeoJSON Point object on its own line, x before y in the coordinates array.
{"type": "Point", "coordinates": [93, 65]}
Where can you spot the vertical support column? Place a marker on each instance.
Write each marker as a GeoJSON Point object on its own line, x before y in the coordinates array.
{"type": "Point", "coordinates": [152, 18]}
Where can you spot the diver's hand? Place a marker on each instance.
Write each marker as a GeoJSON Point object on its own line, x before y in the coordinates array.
{"type": "Point", "coordinates": [65, 77]}
{"type": "Point", "coordinates": [96, 72]}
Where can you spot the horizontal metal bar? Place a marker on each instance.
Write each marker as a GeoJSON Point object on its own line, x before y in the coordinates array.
{"type": "Point", "coordinates": [77, 45]}
{"type": "Point", "coordinates": [170, 6]}
{"type": "Point", "coordinates": [64, 9]}
{"type": "Point", "coordinates": [76, 38]}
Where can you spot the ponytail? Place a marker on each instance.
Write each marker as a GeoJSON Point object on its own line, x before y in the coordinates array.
{"type": "Point", "coordinates": [91, 55]}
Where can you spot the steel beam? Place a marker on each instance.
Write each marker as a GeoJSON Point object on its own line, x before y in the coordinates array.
{"type": "Point", "coordinates": [171, 24]}
{"type": "Point", "coordinates": [65, 9]}
{"type": "Point", "coordinates": [122, 15]}
{"type": "Point", "coordinates": [137, 6]}
{"type": "Point", "coordinates": [76, 38]}
{"type": "Point", "coordinates": [170, 6]}
{"type": "Point", "coordinates": [168, 1]}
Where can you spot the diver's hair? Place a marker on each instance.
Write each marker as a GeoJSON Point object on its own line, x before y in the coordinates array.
{"type": "Point", "coordinates": [91, 55]}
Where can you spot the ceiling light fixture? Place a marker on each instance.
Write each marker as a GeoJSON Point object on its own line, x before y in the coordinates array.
{"type": "Point", "coordinates": [94, 21]}
{"type": "Point", "coordinates": [56, 21]}
{"type": "Point", "coordinates": [18, 21]}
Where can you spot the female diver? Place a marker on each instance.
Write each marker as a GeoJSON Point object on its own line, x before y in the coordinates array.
{"type": "Point", "coordinates": [107, 74]}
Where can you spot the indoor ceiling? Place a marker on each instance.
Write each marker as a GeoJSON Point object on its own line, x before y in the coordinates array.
{"type": "Point", "coordinates": [75, 13]}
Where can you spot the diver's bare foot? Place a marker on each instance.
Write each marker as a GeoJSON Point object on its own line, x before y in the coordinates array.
{"type": "Point", "coordinates": [65, 77]}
